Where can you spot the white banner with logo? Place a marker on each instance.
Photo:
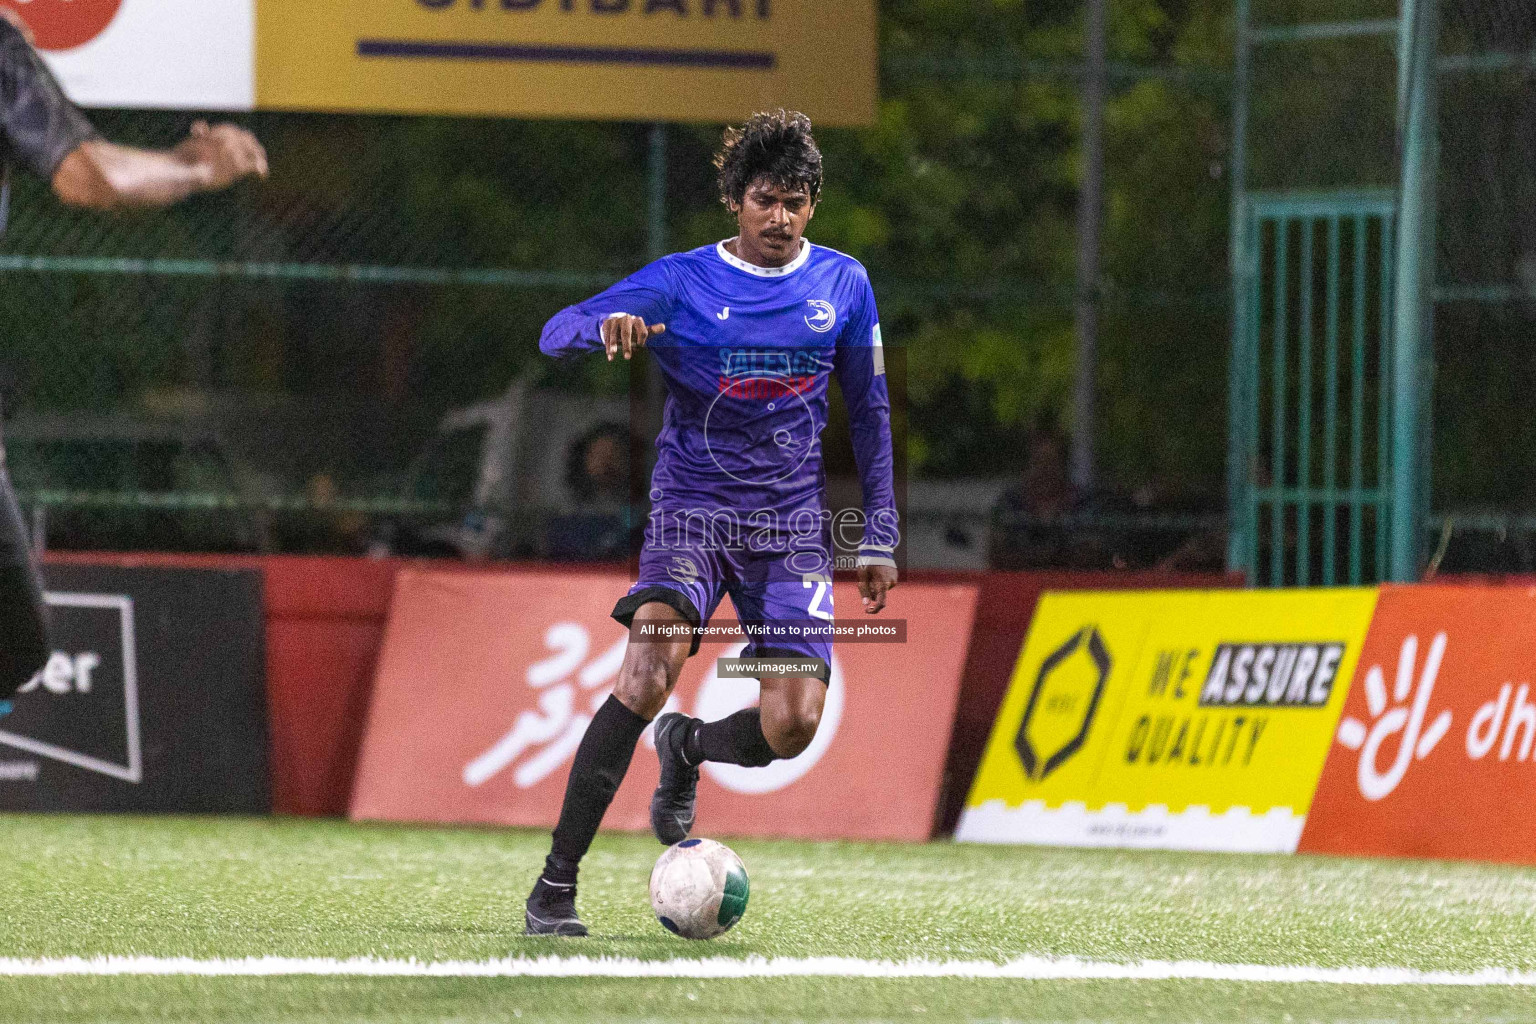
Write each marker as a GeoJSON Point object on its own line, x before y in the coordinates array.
{"type": "Point", "coordinates": [172, 54]}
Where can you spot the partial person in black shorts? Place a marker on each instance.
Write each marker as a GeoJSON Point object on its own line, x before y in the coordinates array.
{"type": "Point", "coordinates": [42, 132]}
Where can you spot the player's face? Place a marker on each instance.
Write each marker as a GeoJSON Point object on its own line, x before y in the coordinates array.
{"type": "Point", "coordinates": [771, 219]}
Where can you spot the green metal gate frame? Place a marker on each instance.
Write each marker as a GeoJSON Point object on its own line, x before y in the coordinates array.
{"type": "Point", "coordinates": [1406, 445]}
{"type": "Point", "coordinates": [1299, 478]}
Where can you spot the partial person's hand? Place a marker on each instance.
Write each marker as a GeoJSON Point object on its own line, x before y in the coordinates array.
{"type": "Point", "coordinates": [875, 581]}
{"type": "Point", "coordinates": [628, 333]}
{"type": "Point", "coordinates": [226, 153]}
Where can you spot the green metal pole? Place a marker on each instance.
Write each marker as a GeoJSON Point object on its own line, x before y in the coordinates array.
{"type": "Point", "coordinates": [1239, 445]}
{"type": "Point", "coordinates": [1090, 206]}
{"type": "Point", "coordinates": [1413, 313]}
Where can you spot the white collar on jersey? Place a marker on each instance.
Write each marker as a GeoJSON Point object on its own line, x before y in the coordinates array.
{"type": "Point", "coordinates": [757, 271]}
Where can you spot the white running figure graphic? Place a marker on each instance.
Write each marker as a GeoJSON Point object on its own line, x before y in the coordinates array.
{"type": "Point", "coordinates": [1417, 742]}
{"type": "Point", "coordinates": [556, 724]}
{"type": "Point", "coordinates": [556, 728]}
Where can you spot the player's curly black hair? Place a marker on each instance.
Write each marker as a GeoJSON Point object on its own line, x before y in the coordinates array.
{"type": "Point", "coordinates": [773, 144]}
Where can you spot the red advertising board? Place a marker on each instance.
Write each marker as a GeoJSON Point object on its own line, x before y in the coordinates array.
{"type": "Point", "coordinates": [487, 682]}
{"type": "Point", "coordinates": [1435, 755]}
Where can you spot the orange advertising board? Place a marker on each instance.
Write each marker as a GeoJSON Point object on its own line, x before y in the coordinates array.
{"type": "Point", "coordinates": [487, 682]}
{"type": "Point", "coordinates": [1435, 753]}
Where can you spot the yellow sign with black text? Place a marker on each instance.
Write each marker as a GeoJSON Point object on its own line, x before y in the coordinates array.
{"type": "Point", "coordinates": [1185, 720]}
{"type": "Point", "coordinates": [637, 60]}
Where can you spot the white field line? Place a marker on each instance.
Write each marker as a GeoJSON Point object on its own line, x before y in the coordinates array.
{"type": "Point", "coordinates": [1028, 968]}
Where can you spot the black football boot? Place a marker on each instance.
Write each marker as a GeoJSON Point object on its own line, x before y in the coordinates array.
{"type": "Point", "coordinates": [552, 911]}
{"type": "Point", "coordinates": [672, 803]}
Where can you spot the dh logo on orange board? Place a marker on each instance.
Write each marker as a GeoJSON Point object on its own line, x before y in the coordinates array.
{"type": "Point", "coordinates": [65, 24]}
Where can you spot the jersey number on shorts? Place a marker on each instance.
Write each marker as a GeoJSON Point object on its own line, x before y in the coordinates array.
{"type": "Point", "coordinates": [816, 610]}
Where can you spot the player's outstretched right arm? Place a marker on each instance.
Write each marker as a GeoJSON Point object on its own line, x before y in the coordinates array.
{"type": "Point", "coordinates": [617, 322]}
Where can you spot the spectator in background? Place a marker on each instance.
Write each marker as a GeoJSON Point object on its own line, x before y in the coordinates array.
{"type": "Point", "coordinates": [600, 525]}
{"type": "Point", "coordinates": [597, 468]}
{"type": "Point", "coordinates": [1039, 522]}
{"type": "Point", "coordinates": [321, 527]}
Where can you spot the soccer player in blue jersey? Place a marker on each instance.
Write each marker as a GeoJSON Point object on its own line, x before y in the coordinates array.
{"type": "Point", "coordinates": [747, 334]}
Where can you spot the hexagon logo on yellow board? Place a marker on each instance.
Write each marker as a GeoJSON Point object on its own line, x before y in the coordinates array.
{"type": "Point", "coordinates": [1062, 704]}
{"type": "Point", "coordinates": [1178, 719]}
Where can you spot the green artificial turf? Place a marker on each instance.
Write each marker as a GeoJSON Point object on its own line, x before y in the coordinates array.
{"type": "Point", "coordinates": [219, 887]}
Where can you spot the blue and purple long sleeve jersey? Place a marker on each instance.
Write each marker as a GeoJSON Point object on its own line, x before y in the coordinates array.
{"type": "Point", "coordinates": [747, 358]}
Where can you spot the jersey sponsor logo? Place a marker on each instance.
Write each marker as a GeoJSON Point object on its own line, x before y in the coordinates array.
{"type": "Point", "coordinates": [765, 387]}
{"type": "Point", "coordinates": [768, 373]}
{"type": "Point", "coordinates": [751, 454]}
{"type": "Point", "coordinates": [770, 362]}
{"type": "Point", "coordinates": [724, 314]}
{"type": "Point", "coordinates": [65, 24]}
{"type": "Point", "coordinates": [759, 453]}
{"type": "Point", "coordinates": [822, 317]}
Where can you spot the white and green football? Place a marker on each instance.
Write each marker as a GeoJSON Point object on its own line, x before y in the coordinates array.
{"type": "Point", "coordinates": [699, 889]}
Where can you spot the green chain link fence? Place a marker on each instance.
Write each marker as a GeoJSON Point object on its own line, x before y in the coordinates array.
{"type": "Point", "coordinates": [271, 369]}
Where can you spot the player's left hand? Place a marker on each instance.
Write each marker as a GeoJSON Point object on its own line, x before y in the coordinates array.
{"type": "Point", "coordinates": [874, 582]}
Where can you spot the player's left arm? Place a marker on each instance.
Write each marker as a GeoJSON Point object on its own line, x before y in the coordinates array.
{"type": "Point", "coordinates": [859, 362]}
{"type": "Point", "coordinates": [51, 137]}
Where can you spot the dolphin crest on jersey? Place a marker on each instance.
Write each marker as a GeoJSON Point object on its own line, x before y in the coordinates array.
{"type": "Point", "coordinates": [823, 316]}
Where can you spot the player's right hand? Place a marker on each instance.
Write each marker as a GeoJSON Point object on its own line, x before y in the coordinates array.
{"type": "Point", "coordinates": [625, 333]}
{"type": "Point", "coordinates": [225, 153]}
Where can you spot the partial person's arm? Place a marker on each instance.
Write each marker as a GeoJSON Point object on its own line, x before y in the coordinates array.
{"type": "Point", "coordinates": [860, 366]}
{"type": "Point", "coordinates": [101, 175]}
{"type": "Point", "coordinates": [49, 135]}
{"type": "Point", "coordinates": [645, 300]}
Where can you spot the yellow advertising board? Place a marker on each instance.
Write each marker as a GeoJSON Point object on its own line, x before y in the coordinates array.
{"type": "Point", "coordinates": [1181, 720]}
{"type": "Point", "coordinates": [640, 60]}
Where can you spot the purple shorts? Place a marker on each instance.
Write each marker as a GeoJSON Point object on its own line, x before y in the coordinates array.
{"type": "Point", "coordinates": [785, 610]}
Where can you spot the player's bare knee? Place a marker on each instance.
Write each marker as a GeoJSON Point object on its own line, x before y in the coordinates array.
{"type": "Point", "coordinates": [791, 728]}
{"type": "Point", "coordinates": [646, 679]}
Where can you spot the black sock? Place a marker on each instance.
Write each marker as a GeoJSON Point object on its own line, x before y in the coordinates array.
{"type": "Point", "coordinates": [738, 739]}
{"type": "Point", "coordinates": [601, 762]}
